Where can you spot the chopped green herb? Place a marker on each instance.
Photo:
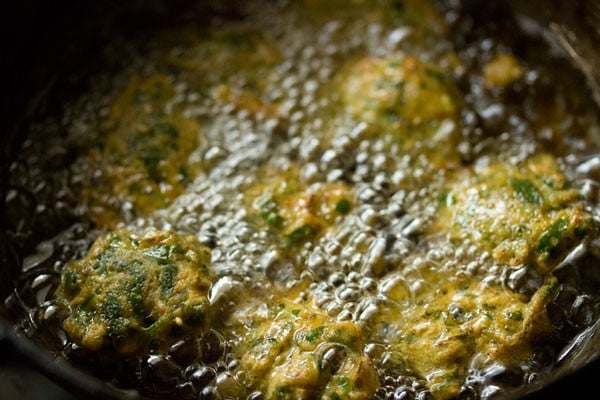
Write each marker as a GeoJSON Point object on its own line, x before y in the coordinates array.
{"type": "Point", "coordinates": [167, 279]}
{"type": "Point", "coordinates": [434, 73]}
{"type": "Point", "coordinates": [399, 5]}
{"type": "Point", "coordinates": [343, 206]}
{"type": "Point", "coordinates": [515, 315]}
{"type": "Point", "coordinates": [110, 309]}
{"type": "Point", "coordinates": [281, 393]}
{"type": "Point", "coordinates": [87, 302]}
{"type": "Point", "coordinates": [488, 311]}
{"type": "Point", "coordinates": [526, 190]}
{"type": "Point", "coordinates": [313, 335]}
{"type": "Point", "coordinates": [166, 129]}
{"type": "Point", "coordinates": [273, 219]}
{"type": "Point", "coordinates": [151, 156]}
{"type": "Point", "coordinates": [161, 253]}
{"type": "Point", "coordinates": [302, 234]}
{"type": "Point", "coordinates": [70, 280]}
{"type": "Point", "coordinates": [269, 212]}
{"type": "Point", "coordinates": [551, 237]}
{"type": "Point", "coordinates": [196, 313]}
{"type": "Point", "coordinates": [344, 383]}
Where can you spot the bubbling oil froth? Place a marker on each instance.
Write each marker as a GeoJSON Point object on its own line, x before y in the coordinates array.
{"type": "Point", "coordinates": [343, 267]}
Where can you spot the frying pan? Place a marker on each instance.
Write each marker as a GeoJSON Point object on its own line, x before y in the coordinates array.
{"type": "Point", "coordinates": [50, 48]}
